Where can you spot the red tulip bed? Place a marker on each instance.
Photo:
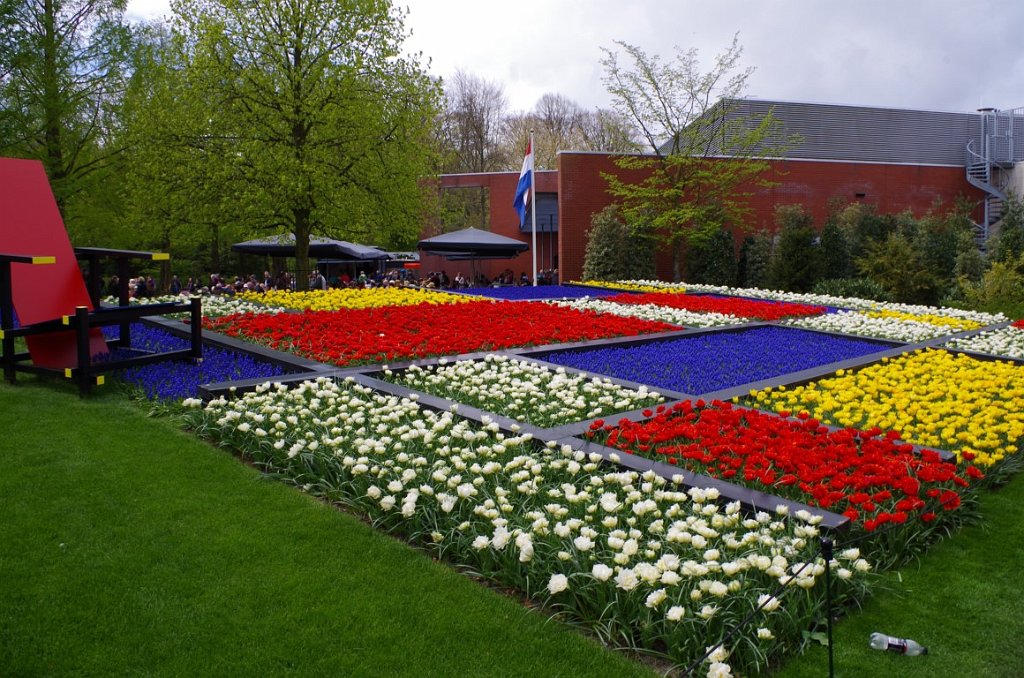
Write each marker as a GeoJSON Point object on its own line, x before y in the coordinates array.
{"type": "Point", "coordinates": [377, 335]}
{"type": "Point", "coordinates": [633, 554]}
{"type": "Point", "coordinates": [872, 478]}
{"type": "Point", "coordinates": [742, 308]}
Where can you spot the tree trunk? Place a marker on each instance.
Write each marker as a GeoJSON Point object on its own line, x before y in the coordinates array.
{"type": "Point", "coordinates": [301, 249]}
{"type": "Point", "coordinates": [52, 132]}
{"type": "Point", "coordinates": [215, 249]}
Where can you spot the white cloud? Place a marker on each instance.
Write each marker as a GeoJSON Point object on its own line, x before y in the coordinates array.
{"type": "Point", "coordinates": [927, 54]}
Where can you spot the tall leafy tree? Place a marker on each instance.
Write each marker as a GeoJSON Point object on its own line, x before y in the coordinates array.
{"type": "Point", "coordinates": [180, 195]}
{"type": "Point", "coordinates": [62, 72]}
{"type": "Point", "coordinates": [689, 120]}
{"type": "Point", "coordinates": [306, 116]}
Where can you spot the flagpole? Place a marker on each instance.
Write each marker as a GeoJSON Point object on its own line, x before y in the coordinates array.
{"type": "Point", "coordinates": [533, 207]}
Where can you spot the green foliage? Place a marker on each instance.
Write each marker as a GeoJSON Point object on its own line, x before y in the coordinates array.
{"type": "Point", "coordinates": [713, 262]}
{"type": "Point", "coordinates": [62, 68]}
{"type": "Point", "coordinates": [685, 192]}
{"type": "Point", "coordinates": [261, 117]}
{"type": "Point", "coordinates": [755, 260]}
{"type": "Point", "coordinates": [970, 265]}
{"type": "Point", "coordinates": [941, 238]}
{"type": "Point", "coordinates": [1002, 283]}
{"type": "Point", "coordinates": [834, 259]}
{"type": "Point", "coordinates": [860, 288]}
{"type": "Point", "coordinates": [794, 261]}
{"type": "Point", "coordinates": [861, 225]}
{"type": "Point", "coordinates": [898, 267]}
{"type": "Point", "coordinates": [615, 251]}
{"type": "Point", "coordinates": [1010, 243]}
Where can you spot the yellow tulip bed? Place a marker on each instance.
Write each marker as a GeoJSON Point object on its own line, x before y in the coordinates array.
{"type": "Point", "coordinates": [336, 299]}
{"type": "Point", "coordinates": [931, 397]}
{"type": "Point", "coordinates": [955, 324]}
{"type": "Point", "coordinates": [631, 286]}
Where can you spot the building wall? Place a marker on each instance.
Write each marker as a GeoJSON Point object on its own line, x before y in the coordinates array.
{"type": "Point", "coordinates": [582, 192]}
{"type": "Point", "coordinates": [814, 184]}
{"type": "Point", "coordinates": [504, 220]}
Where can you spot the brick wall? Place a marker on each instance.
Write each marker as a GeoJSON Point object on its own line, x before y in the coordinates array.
{"type": "Point", "coordinates": [814, 184]}
{"type": "Point", "coordinates": [582, 191]}
{"type": "Point", "coordinates": [503, 220]}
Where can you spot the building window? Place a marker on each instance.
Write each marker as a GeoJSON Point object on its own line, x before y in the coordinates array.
{"type": "Point", "coordinates": [547, 215]}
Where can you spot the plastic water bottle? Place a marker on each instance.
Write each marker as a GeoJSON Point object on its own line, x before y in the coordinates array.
{"type": "Point", "coordinates": [880, 641]}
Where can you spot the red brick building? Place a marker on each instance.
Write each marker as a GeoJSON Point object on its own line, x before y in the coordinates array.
{"type": "Point", "coordinates": [896, 160]}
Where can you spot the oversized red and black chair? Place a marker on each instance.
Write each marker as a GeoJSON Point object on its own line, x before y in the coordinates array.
{"type": "Point", "coordinates": [42, 286]}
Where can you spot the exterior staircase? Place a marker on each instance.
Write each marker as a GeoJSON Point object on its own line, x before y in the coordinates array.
{"type": "Point", "coordinates": [980, 171]}
{"type": "Point", "coordinates": [988, 157]}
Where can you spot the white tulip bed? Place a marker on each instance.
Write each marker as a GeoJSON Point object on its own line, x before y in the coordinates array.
{"type": "Point", "coordinates": [523, 390]}
{"type": "Point", "coordinates": [1007, 342]}
{"type": "Point", "coordinates": [632, 556]}
{"type": "Point", "coordinates": [860, 324]}
{"type": "Point", "coordinates": [214, 305]}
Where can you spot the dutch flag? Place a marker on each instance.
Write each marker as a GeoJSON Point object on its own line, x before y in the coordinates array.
{"type": "Point", "coordinates": [525, 183]}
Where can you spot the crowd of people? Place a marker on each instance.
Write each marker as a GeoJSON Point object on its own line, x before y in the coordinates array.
{"type": "Point", "coordinates": [440, 280]}
{"type": "Point", "coordinates": [145, 286]}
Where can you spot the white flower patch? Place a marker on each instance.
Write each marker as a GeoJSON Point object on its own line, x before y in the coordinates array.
{"type": "Point", "coordinates": [675, 316]}
{"type": "Point", "coordinates": [524, 390]}
{"type": "Point", "coordinates": [855, 322]}
{"type": "Point", "coordinates": [551, 520]}
{"type": "Point", "coordinates": [214, 306]}
{"type": "Point", "coordinates": [1007, 342]}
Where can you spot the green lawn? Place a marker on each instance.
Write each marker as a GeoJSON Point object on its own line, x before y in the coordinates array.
{"type": "Point", "coordinates": [129, 547]}
{"type": "Point", "coordinates": [962, 601]}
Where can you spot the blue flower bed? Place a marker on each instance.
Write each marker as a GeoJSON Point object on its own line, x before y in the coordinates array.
{"type": "Point", "coordinates": [710, 362]}
{"type": "Point", "coordinates": [542, 292]}
{"type": "Point", "coordinates": [175, 380]}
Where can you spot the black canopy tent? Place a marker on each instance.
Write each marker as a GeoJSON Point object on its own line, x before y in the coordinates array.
{"type": "Point", "coordinates": [327, 251]}
{"type": "Point", "coordinates": [472, 243]}
{"type": "Point", "coordinates": [284, 246]}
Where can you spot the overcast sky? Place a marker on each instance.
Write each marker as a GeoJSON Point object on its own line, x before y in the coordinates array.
{"type": "Point", "coordinates": [947, 55]}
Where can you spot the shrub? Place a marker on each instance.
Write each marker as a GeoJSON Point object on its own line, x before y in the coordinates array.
{"type": "Point", "coordinates": [834, 258]}
{"type": "Point", "coordinates": [897, 265]}
{"type": "Point", "coordinates": [615, 251]}
{"type": "Point", "coordinates": [755, 259]}
{"type": "Point", "coordinates": [1002, 283]}
{"type": "Point", "coordinates": [862, 288]}
{"type": "Point", "coordinates": [794, 261]}
{"type": "Point", "coordinates": [860, 225]}
{"type": "Point", "coordinates": [1009, 245]}
{"type": "Point", "coordinates": [714, 261]}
